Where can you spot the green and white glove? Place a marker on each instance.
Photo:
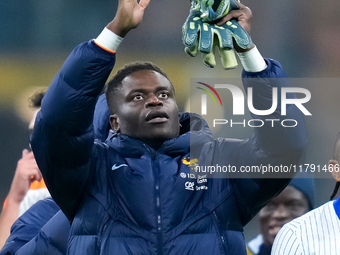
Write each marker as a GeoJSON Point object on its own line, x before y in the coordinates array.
{"type": "Point", "coordinates": [237, 33]}
{"type": "Point", "coordinates": [200, 36]}
{"type": "Point", "coordinates": [212, 10]}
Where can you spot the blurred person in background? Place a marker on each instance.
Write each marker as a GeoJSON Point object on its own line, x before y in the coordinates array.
{"type": "Point", "coordinates": [43, 228]}
{"type": "Point", "coordinates": [27, 186]}
{"type": "Point", "coordinates": [295, 200]}
{"type": "Point", "coordinates": [318, 231]}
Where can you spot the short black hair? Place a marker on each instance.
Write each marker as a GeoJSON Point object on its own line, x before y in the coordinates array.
{"type": "Point", "coordinates": [115, 83]}
{"type": "Point", "coordinates": [36, 98]}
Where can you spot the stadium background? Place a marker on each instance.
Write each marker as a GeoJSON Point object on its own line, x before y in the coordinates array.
{"type": "Point", "coordinates": [36, 37]}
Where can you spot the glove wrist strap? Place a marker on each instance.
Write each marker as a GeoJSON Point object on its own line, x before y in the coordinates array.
{"type": "Point", "coordinates": [108, 40]}
{"type": "Point", "coordinates": [252, 60]}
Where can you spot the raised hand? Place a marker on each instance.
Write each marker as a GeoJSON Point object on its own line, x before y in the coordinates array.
{"type": "Point", "coordinates": [226, 34]}
{"type": "Point", "coordinates": [128, 16]}
{"type": "Point", "coordinates": [27, 171]}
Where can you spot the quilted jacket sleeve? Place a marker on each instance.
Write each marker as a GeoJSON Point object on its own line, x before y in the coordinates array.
{"type": "Point", "coordinates": [63, 136]}
{"type": "Point", "coordinates": [27, 227]}
{"type": "Point", "coordinates": [51, 239]}
{"type": "Point", "coordinates": [273, 145]}
{"type": "Point", "coordinates": [275, 139]}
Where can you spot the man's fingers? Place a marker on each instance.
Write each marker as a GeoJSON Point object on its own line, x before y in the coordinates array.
{"type": "Point", "coordinates": [241, 6]}
{"type": "Point", "coordinates": [243, 15]}
{"type": "Point", "coordinates": [25, 152]}
{"type": "Point", "coordinates": [37, 176]}
{"type": "Point", "coordinates": [144, 3]}
{"type": "Point", "coordinates": [27, 155]}
{"type": "Point", "coordinates": [231, 15]}
{"type": "Point", "coordinates": [33, 172]}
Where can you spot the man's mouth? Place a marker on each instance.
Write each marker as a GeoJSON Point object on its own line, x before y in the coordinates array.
{"type": "Point", "coordinates": [274, 230]}
{"type": "Point", "coordinates": [156, 117]}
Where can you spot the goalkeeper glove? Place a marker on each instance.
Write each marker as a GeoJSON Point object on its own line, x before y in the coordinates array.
{"type": "Point", "coordinates": [204, 37]}
{"type": "Point", "coordinates": [212, 10]}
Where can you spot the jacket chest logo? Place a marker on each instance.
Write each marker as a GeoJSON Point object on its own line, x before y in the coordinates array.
{"type": "Point", "coordinates": [190, 162]}
{"type": "Point", "coordinates": [196, 182]}
{"type": "Point", "coordinates": [116, 166]}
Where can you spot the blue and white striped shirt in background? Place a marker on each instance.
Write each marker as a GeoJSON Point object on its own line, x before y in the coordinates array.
{"type": "Point", "coordinates": [316, 232]}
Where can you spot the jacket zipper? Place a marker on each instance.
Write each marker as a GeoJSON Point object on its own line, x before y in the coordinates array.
{"type": "Point", "coordinates": [217, 222]}
{"type": "Point", "coordinates": [158, 202]}
{"type": "Point", "coordinates": [223, 246]}
{"type": "Point", "coordinates": [158, 206]}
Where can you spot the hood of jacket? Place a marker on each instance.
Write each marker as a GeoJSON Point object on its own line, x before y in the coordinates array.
{"type": "Point", "coordinates": [194, 132]}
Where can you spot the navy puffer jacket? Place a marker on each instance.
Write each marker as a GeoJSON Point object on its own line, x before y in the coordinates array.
{"type": "Point", "coordinates": [124, 197]}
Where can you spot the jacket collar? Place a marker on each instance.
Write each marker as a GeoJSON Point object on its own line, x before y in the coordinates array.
{"type": "Point", "coordinates": [193, 133]}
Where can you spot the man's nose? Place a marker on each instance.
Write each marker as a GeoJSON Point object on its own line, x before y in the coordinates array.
{"type": "Point", "coordinates": [281, 212]}
{"type": "Point", "coordinates": [153, 101]}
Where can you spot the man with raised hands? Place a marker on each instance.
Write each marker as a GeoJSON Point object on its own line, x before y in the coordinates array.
{"type": "Point", "coordinates": [132, 194]}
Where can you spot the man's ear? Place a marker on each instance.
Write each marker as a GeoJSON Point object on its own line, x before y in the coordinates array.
{"type": "Point", "coordinates": [114, 123]}
{"type": "Point", "coordinates": [334, 168]}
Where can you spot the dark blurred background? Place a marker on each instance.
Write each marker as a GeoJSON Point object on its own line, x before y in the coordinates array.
{"type": "Point", "coordinates": [36, 37]}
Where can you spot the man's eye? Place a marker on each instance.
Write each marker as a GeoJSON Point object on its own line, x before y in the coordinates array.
{"type": "Point", "coordinates": [138, 97]}
{"type": "Point", "coordinates": [163, 95]}
{"type": "Point", "coordinates": [294, 205]}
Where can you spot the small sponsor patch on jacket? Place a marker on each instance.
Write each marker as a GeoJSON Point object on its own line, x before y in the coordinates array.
{"type": "Point", "coordinates": [190, 162]}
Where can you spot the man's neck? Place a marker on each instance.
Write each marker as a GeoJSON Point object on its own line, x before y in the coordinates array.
{"type": "Point", "coordinates": [155, 144]}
